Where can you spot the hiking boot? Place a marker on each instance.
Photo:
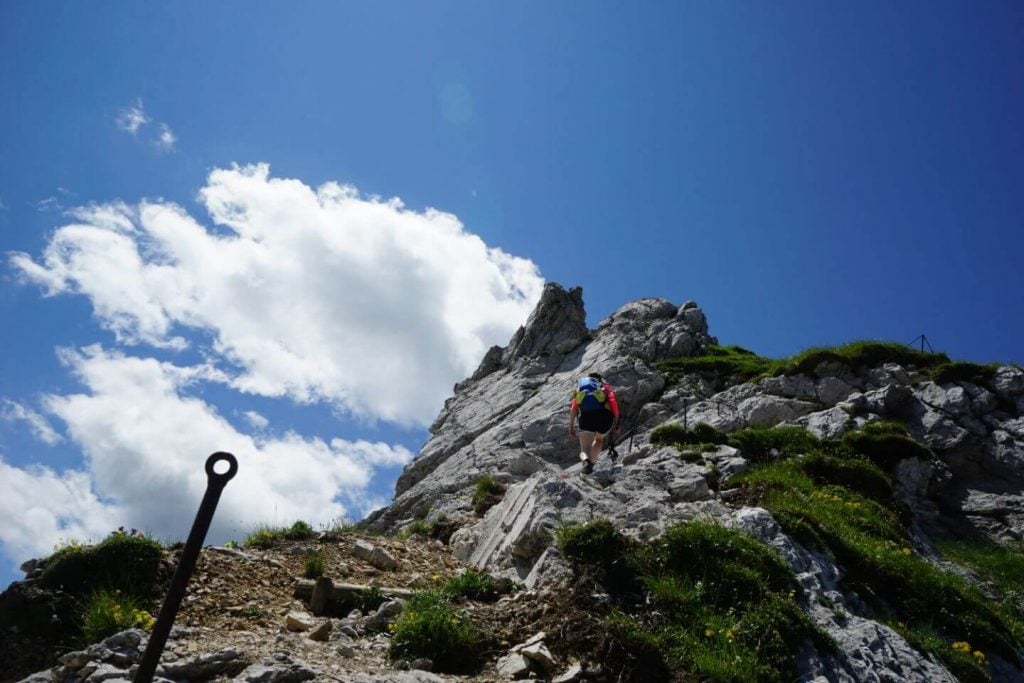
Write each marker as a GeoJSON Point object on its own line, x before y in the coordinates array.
{"type": "Point", "coordinates": [588, 467]}
{"type": "Point", "coordinates": [613, 454]}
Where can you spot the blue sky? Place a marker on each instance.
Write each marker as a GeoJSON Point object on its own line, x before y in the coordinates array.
{"type": "Point", "coordinates": [808, 172]}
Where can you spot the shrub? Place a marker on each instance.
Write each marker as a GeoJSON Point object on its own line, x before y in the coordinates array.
{"type": "Point", "coordinates": [717, 602]}
{"type": "Point", "coordinates": [472, 585]}
{"type": "Point", "coordinates": [429, 627]}
{"type": "Point", "coordinates": [416, 527]}
{"type": "Point", "coordinates": [105, 612]}
{"type": "Point", "coordinates": [313, 564]}
{"type": "Point", "coordinates": [299, 531]}
{"type": "Point", "coordinates": [673, 433]}
{"type": "Point", "coordinates": [122, 561]}
{"type": "Point", "coordinates": [757, 442]}
{"type": "Point", "coordinates": [884, 443]}
{"type": "Point", "coordinates": [486, 494]}
{"type": "Point", "coordinates": [962, 371]}
{"type": "Point", "coordinates": [266, 536]}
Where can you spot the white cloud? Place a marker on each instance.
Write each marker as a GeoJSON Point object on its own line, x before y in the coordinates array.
{"type": "Point", "coordinates": [49, 204]}
{"type": "Point", "coordinates": [313, 293]}
{"type": "Point", "coordinates": [131, 119]}
{"type": "Point", "coordinates": [12, 411]}
{"type": "Point", "coordinates": [165, 139]}
{"type": "Point", "coordinates": [257, 421]}
{"type": "Point", "coordinates": [145, 443]}
{"type": "Point", "coordinates": [40, 508]}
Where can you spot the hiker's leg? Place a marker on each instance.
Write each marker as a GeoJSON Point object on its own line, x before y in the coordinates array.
{"type": "Point", "coordinates": [586, 442]}
{"type": "Point", "coordinates": [595, 450]}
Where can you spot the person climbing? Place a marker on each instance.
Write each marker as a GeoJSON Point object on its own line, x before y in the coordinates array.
{"type": "Point", "coordinates": [598, 412]}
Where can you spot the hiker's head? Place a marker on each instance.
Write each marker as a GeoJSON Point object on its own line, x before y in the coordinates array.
{"type": "Point", "coordinates": [596, 375]}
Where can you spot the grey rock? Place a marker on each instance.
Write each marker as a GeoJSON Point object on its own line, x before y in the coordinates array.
{"type": "Point", "coordinates": [952, 399]}
{"type": "Point", "coordinates": [513, 666]}
{"type": "Point", "coordinates": [827, 424]}
{"type": "Point", "coordinates": [227, 661]}
{"type": "Point", "coordinates": [1008, 381]}
{"type": "Point", "coordinates": [385, 615]}
{"type": "Point", "coordinates": [38, 677]}
{"type": "Point", "coordinates": [571, 675]}
{"type": "Point", "coordinates": [690, 487]}
{"type": "Point", "coordinates": [422, 663]}
{"type": "Point", "coordinates": [832, 390]}
{"type": "Point", "coordinates": [539, 654]}
{"type": "Point", "coordinates": [771, 410]}
{"type": "Point", "coordinates": [322, 632]}
{"type": "Point", "coordinates": [299, 621]}
{"type": "Point", "coordinates": [382, 559]}
{"type": "Point", "coordinates": [362, 549]}
{"type": "Point", "coordinates": [270, 671]}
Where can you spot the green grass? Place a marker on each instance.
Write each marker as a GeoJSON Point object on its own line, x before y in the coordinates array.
{"type": "Point", "coordinates": [1000, 568]}
{"type": "Point", "coordinates": [106, 612]}
{"type": "Point", "coordinates": [702, 599]}
{"type": "Point", "coordinates": [736, 364]}
{"type": "Point", "coordinates": [417, 527]}
{"type": "Point", "coordinates": [471, 585]}
{"type": "Point", "coordinates": [964, 371]}
{"type": "Point", "coordinates": [842, 505]}
{"type": "Point", "coordinates": [673, 434]}
{"type": "Point", "coordinates": [313, 564]}
{"type": "Point", "coordinates": [885, 443]}
{"type": "Point", "coordinates": [430, 627]}
{"type": "Point", "coordinates": [756, 443]}
{"type": "Point", "coordinates": [486, 493]}
{"type": "Point", "coordinates": [267, 536]}
{"type": "Point", "coordinates": [122, 561]}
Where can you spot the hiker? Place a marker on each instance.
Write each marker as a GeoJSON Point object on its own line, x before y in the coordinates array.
{"type": "Point", "coordinates": [594, 402]}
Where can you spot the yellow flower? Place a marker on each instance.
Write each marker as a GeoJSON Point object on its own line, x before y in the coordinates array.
{"type": "Point", "coordinates": [980, 656]}
{"type": "Point", "coordinates": [709, 632]}
{"type": "Point", "coordinates": [906, 551]}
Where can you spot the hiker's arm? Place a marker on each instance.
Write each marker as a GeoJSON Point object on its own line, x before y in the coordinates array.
{"type": "Point", "coordinates": [573, 410]}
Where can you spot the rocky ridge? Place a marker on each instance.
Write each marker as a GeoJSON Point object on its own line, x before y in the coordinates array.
{"type": "Point", "coordinates": [509, 421]}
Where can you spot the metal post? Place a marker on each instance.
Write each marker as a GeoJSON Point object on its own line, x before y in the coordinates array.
{"type": "Point", "coordinates": [215, 483]}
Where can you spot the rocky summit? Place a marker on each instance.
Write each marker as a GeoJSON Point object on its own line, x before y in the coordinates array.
{"type": "Point", "coordinates": [853, 513]}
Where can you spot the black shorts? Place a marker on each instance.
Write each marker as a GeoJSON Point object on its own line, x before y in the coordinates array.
{"type": "Point", "coordinates": [599, 421]}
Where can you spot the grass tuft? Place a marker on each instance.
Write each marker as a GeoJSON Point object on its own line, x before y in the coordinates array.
{"type": "Point", "coordinates": [430, 627]}
{"type": "Point", "coordinates": [486, 494]}
{"type": "Point", "coordinates": [313, 564]}
{"type": "Point", "coordinates": [884, 443]}
{"type": "Point", "coordinates": [106, 612]}
{"type": "Point", "coordinates": [267, 536]}
{"type": "Point", "coordinates": [756, 443]}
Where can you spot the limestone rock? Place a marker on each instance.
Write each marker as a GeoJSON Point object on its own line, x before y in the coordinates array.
{"type": "Point", "coordinates": [299, 621]}
{"type": "Point", "coordinates": [513, 666]}
{"type": "Point", "coordinates": [1008, 381]}
{"type": "Point", "coordinates": [227, 661]}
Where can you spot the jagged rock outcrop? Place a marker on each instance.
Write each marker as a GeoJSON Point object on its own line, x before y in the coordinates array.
{"type": "Point", "coordinates": [509, 420]}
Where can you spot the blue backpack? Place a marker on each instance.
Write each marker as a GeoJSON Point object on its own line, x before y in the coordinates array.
{"type": "Point", "coordinates": [590, 395]}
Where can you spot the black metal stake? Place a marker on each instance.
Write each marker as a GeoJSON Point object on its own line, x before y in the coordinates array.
{"type": "Point", "coordinates": [215, 483]}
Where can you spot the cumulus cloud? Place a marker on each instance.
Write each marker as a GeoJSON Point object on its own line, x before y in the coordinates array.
{"type": "Point", "coordinates": [145, 442]}
{"type": "Point", "coordinates": [310, 293]}
{"type": "Point", "coordinates": [12, 411]}
{"type": "Point", "coordinates": [131, 119]}
{"type": "Point", "coordinates": [40, 508]}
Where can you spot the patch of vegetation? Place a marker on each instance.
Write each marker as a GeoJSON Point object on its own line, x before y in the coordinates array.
{"type": "Point", "coordinates": [123, 561]}
{"type": "Point", "coordinates": [486, 494]}
{"type": "Point", "coordinates": [106, 612]}
{"type": "Point", "coordinates": [313, 564]}
{"type": "Point", "coordinates": [999, 567]}
{"type": "Point", "coordinates": [861, 354]}
{"type": "Point", "coordinates": [267, 536]}
{"type": "Point", "coordinates": [963, 661]}
{"type": "Point", "coordinates": [758, 442]}
{"type": "Point", "coordinates": [417, 527]}
{"type": "Point", "coordinates": [430, 627]}
{"type": "Point", "coordinates": [842, 505]}
{"type": "Point", "coordinates": [674, 434]}
{"type": "Point", "coordinates": [884, 443]}
{"type": "Point", "coordinates": [964, 371]}
{"type": "Point", "coordinates": [370, 599]}
{"type": "Point", "coordinates": [471, 585]}
{"type": "Point", "coordinates": [702, 599]}
{"type": "Point", "coordinates": [735, 364]}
